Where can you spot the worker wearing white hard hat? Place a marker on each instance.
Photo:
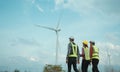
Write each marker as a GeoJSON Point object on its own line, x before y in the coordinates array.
{"type": "Point", "coordinates": [72, 57]}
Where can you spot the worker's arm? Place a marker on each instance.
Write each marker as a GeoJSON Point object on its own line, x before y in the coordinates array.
{"type": "Point", "coordinates": [82, 55]}
{"type": "Point", "coordinates": [91, 51]}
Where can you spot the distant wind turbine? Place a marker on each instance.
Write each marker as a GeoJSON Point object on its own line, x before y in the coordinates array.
{"type": "Point", "coordinates": [57, 30]}
{"type": "Point", "coordinates": [108, 54]}
{"type": "Point", "coordinates": [110, 65]}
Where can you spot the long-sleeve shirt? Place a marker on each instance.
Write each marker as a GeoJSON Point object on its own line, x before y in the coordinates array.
{"type": "Point", "coordinates": [70, 49]}
{"type": "Point", "coordinates": [83, 54]}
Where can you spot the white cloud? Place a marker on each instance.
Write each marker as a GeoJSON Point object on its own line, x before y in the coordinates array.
{"type": "Point", "coordinates": [81, 6]}
{"type": "Point", "coordinates": [39, 8]}
{"type": "Point", "coordinates": [58, 2]}
{"type": "Point", "coordinates": [35, 59]}
{"type": "Point", "coordinates": [105, 11]}
{"type": "Point", "coordinates": [109, 48]}
{"type": "Point", "coordinates": [84, 6]}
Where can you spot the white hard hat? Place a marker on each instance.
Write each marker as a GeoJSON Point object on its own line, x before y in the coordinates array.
{"type": "Point", "coordinates": [71, 37]}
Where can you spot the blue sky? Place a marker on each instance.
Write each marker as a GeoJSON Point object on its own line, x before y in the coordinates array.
{"type": "Point", "coordinates": [84, 19]}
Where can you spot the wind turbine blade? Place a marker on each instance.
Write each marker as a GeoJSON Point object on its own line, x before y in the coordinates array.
{"type": "Point", "coordinates": [59, 21]}
{"type": "Point", "coordinates": [46, 27]}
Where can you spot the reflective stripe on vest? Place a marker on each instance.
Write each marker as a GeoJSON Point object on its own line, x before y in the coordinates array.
{"type": "Point", "coordinates": [74, 49]}
{"type": "Point", "coordinates": [86, 52]}
{"type": "Point", "coordinates": [95, 54]}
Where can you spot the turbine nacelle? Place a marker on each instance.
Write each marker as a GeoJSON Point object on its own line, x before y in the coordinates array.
{"type": "Point", "coordinates": [58, 30]}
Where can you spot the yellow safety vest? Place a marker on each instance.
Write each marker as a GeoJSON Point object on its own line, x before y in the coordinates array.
{"type": "Point", "coordinates": [74, 49]}
{"type": "Point", "coordinates": [95, 54]}
{"type": "Point", "coordinates": [86, 52]}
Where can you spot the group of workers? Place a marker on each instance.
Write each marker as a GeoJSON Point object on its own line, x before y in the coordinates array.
{"type": "Point", "coordinates": [89, 56]}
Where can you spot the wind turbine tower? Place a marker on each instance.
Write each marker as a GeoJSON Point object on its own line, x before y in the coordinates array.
{"type": "Point", "coordinates": [109, 59]}
{"type": "Point", "coordinates": [56, 30]}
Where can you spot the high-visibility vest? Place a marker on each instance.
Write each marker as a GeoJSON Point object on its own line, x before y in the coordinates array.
{"type": "Point", "coordinates": [86, 52]}
{"type": "Point", "coordinates": [74, 50]}
{"type": "Point", "coordinates": [95, 54]}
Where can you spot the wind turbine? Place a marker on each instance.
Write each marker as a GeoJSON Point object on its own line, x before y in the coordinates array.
{"type": "Point", "coordinates": [109, 57]}
{"type": "Point", "coordinates": [108, 54]}
{"type": "Point", "coordinates": [56, 30]}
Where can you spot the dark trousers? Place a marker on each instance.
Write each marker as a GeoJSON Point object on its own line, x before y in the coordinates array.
{"type": "Point", "coordinates": [85, 64]}
{"type": "Point", "coordinates": [95, 65]}
{"type": "Point", "coordinates": [72, 61]}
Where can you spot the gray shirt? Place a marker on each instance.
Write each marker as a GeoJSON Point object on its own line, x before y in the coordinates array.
{"type": "Point", "coordinates": [70, 49]}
